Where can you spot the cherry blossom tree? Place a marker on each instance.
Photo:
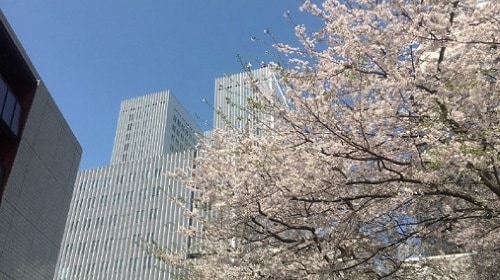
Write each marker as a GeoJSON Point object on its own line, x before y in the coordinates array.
{"type": "Point", "coordinates": [389, 138]}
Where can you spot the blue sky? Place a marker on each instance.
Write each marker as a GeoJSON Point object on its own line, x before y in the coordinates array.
{"type": "Point", "coordinates": [94, 53]}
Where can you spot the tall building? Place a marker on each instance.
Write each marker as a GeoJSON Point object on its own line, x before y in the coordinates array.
{"type": "Point", "coordinates": [152, 125]}
{"type": "Point", "coordinates": [233, 95]}
{"type": "Point", "coordinates": [117, 208]}
{"type": "Point", "coordinates": [39, 158]}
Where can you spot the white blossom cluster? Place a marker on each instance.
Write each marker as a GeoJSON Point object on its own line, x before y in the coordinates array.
{"type": "Point", "coordinates": [389, 139]}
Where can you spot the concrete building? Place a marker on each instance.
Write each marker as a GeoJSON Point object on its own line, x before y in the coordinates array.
{"type": "Point", "coordinates": [39, 158]}
{"type": "Point", "coordinates": [116, 208]}
{"type": "Point", "coordinates": [232, 96]}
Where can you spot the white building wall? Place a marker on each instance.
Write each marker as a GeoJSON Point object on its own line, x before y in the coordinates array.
{"type": "Point", "coordinates": [152, 125]}
{"type": "Point", "coordinates": [115, 209]}
{"type": "Point", "coordinates": [232, 93]}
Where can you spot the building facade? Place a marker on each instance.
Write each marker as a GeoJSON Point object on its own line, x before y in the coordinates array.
{"type": "Point", "coordinates": [117, 209]}
{"type": "Point", "coordinates": [39, 158]}
{"type": "Point", "coordinates": [151, 125]}
{"type": "Point", "coordinates": [233, 96]}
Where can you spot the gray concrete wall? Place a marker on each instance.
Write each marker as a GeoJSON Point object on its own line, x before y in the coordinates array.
{"type": "Point", "coordinates": [38, 193]}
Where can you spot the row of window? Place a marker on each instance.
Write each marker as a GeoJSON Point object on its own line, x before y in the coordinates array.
{"type": "Point", "coordinates": [179, 141]}
{"type": "Point", "coordinates": [97, 223]}
{"type": "Point", "coordinates": [120, 179]}
{"type": "Point", "coordinates": [112, 267]}
{"type": "Point", "coordinates": [106, 244]}
{"type": "Point", "coordinates": [140, 110]}
{"type": "Point", "coordinates": [94, 245]}
{"type": "Point", "coordinates": [116, 199]}
{"type": "Point", "coordinates": [184, 129]}
{"type": "Point", "coordinates": [113, 220]}
{"type": "Point", "coordinates": [183, 134]}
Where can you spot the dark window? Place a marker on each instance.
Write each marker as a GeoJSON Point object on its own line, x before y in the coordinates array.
{"type": "Point", "coordinates": [16, 119]}
{"type": "Point", "coordinates": [2, 174]}
{"type": "Point", "coordinates": [8, 108]}
{"type": "Point", "coordinates": [3, 93]}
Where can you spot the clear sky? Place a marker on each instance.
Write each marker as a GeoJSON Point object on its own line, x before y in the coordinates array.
{"type": "Point", "coordinates": [92, 54]}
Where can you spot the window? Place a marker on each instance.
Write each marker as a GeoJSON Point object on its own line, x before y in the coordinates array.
{"type": "Point", "coordinates": [155, 191]}
{"type": "Point", "coordinates": [147, 262]}
{"type": "Point", "coordinates": [68, 249]}
{"type": "Point", "coordinates": [129, 127]}
{"type": "Point", "coordinates": [153, 213]}
{"type": "Point", "coordinates": [106, 182]}
{"type": "Point", "coordinates": [139, 215]}
{"type": "Point", "coordinates": [3, 92]}
{"type": "Point", "coordinates": [136, 238]}
{"type": "Point", "coordinates": [104, 200]}
{"type": "Point", "coordinates": [108, 244]}
{"type": "Point", "coordinates": [8, 105]}
{"type": "Point", "coordinates": [130, 195]}
{"type": "Point", "coordinates": [104, 267]}
{"type": "Point", "coordinates": [131, 117]}
{"type": "Point", "coordinates": [149, 236]}
{"type": "Point", "coordinates": [118, 265]}
{"type": "Point", "coordinates": [127, 137]}
{"type": "Point", "coordinates": [116, 198]}
{"type": "Point", "coordinates": [78, 271]}
{"type": "Point", "coordinates": [142, 216]}
{"type": "Point", "coordinates": [113, 219]}
{"type": "Point", "coordinates": [16, 119]}
{"type": "Point", "coordinates": [132, 264]}
{"type": "Point", "coordinates": [81, 247]}
{"type": "Point", "coordinates": [157, 172]}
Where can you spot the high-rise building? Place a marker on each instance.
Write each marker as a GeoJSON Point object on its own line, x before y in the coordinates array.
{"type": "Point", "coordinates": [39, 158]}
{"type": "Point", "coordinates": [233, 96]}
{"type": "Point", "coordinates": [152, 125]}
{"type": "Point", "coordinates": [117, 208]}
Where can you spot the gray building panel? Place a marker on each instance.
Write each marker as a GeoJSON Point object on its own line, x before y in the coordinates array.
{"type": "Point", "coordinates": [45, 158]}
{"type": "Point", "coordinates": [37, 194]}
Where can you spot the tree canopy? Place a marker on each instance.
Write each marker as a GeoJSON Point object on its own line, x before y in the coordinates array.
{"type": "Point", "coordinates": [387, 147]}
